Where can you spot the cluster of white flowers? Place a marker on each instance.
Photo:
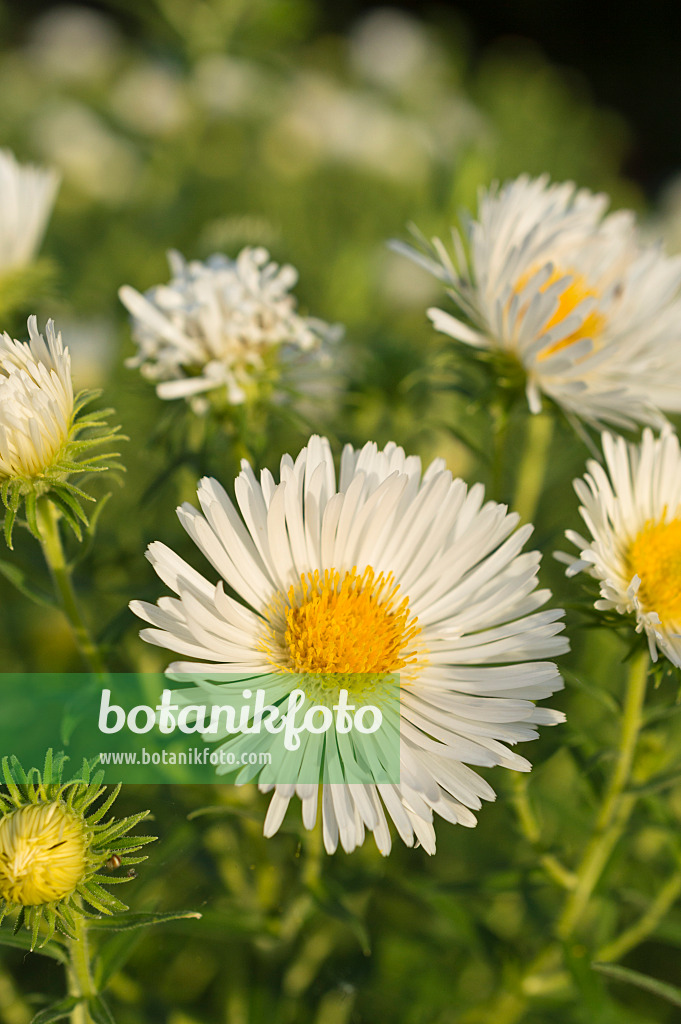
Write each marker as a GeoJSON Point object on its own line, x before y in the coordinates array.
{"type": "Point", "coordinates": [215, 325]}
{"type": "Point", "coordinates": [392, 570]}
{"type": "Point", "coordinates": [27, 195]}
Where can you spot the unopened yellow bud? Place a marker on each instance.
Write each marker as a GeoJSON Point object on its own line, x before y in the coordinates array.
{"type": "Point", "coordinates": [42, 853]}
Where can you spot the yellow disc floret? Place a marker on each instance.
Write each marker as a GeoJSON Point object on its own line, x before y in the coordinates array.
{"type": "Point", "coordinates": [655, 557]}
{"type": "Point", "coordinates": [575, 292]}
{"type": "Point", "coordinates": [347, 623]}
{"type": "Point", "coordinates": [42, 853]}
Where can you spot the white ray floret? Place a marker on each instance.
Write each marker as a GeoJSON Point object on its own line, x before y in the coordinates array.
{"type": "Point", "coordinates": [217, 324]}
{"type": "Point", "coordinates": [632, 511]}
{"type": "Point", "coordinates": [27, 195]}
{"type": "Point", "coordinates": [463, 626]}
{"type": "Point", "coordinates": [591, 314]}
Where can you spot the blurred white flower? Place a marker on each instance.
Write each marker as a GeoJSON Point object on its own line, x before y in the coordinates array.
{"type": "Point", "coordinates": [390, 571]}
{"type": "Point", "coordinates": [323, 120]}
{"type": "Point", "coordinates": [233, 86]}
{"type": "Point", "coordinates": [591, 314]}
{"type": "Point", "coordinates": [97, 161]}
{"type": "Point", "coordinates": [27, 195]}
{"type": "Point", "coordinates": [36, 402]}
{"type": "Point", "coordinates": [394, 50]}
{"type": "Point", "coordinates": [633, 513]}
{"type": "Point", "coordinates": [219, 324]}
{"type": "Point", "coordinates": [151, 99]}
{"type": "Point", "coordinates": [73, 43]}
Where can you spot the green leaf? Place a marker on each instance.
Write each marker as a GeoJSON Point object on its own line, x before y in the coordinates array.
{"type": "Point", "coordinates": [99, 1011]}
{"type": "Point", "coordinates": [17, 577]}
{"type": "Point", "coordinates": [91, 529]}
{"type": "Point", "coordinates": [22, 940]}
{"type": "Point", "coordinates": [670, 993]}
{"type": "Point", "coordinates": [10, 516]}
{"type": "Point", "coordinates": [127, 922]}
{"type": "Point", "coordinates": [57, 1011]}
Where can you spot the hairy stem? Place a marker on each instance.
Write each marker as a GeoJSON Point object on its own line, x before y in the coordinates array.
{"type": "Point", "coordinates": [50, 539]}
{"type": "Point", "coordinates": [79, 973]}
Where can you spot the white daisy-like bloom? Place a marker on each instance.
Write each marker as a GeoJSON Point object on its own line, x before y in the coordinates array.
{"type": "Point", "coordinates": [591, 313]}
{"type": "Point", "coordinates": [388, 570]}
{"type": "Point", "coordinates": [36, 401]}
{"type": "Point", "coordinates": [216, 325]}
{"type": "Point", "coordinates": [27, 195]}
{"type": "Point", "coordinates": [632, 509]}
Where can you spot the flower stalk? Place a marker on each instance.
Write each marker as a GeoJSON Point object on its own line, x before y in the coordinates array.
{"type": "Point", "coordinates": [617, 804]}
{"type": "Point", "coordinates": [50, 539]}
{"type": "Point", "coordinates": [80, 980]}
{"type": "Point", "coordinates": [532, 470]}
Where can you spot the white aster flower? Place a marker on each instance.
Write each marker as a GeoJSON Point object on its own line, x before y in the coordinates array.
{"type": "Point", "coordinates": [590, 313]}
{"type": "Point", "coordinates": [216, 325]}
{"type": "Point", "coordinates": [27, 194]}
{"type": "Point", "coordinates": [633, 513]}
{"type": "Point", "coordinates": [387, 571]}
{"type": "Point", "coordinates": [36, 401]}
{"type": "Point", "coordinates": [41, 423]}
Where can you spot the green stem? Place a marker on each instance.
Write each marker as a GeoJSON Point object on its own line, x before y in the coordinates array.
{"type": "Point", "coordinates": [501, 417]}
{"type": "Point", "coordinates": [616, 807]}
{"type": "Point", "coordinates": [79, 973]}
{"type": "Point", "coordinates": [530, 478]}
{"type": "Point", "coordinates": [528, 487]}
{"type": "Point", "coordinates": [545, 973]}
{"type": "Point", "coordinates": [313, 847]}
{"type": "Point", "coordinates": [50, 539]}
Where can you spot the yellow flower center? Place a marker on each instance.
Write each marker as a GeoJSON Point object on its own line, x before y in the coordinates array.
{"type": "Point", "coordinates": [576, 290]}
{"type": "Point", "coordinates": [345, 624]}
{"type": "Point", "coordinates": [42, 854]}
{"type": "Point", "coordinates": [655, 556]}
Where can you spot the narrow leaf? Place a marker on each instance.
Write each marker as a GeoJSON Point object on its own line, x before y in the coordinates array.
{"type": "Point", "coordinates": [17, 578]}
{"type": "Point", "coordinates": [670, 993]}
{"type": "Point", "coordinates": [99, 1011]}
{"type": "Point", "coordinates": [57, 1011]}
{"type": "Point", "coordinates": [22, 940]}
{"type": "Point", "coordinates": [127, 922]}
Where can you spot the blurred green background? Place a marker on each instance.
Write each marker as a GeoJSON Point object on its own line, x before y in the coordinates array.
{"type": "Point", "coordinates": [321, 132]}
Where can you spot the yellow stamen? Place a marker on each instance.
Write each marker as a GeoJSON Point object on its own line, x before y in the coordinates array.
{"type": "Point", "coordinates": [655, 556]}
{"type": "Point", "coordinates": [576, 290]}
{"type": "Point", "coordinates": [348, 624]}
{"type": "Point", "coordinates": [42, 854]}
